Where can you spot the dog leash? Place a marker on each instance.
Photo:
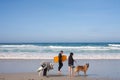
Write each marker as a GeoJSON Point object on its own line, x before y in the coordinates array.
{"type": "Point", "coordinates": [76, 62]}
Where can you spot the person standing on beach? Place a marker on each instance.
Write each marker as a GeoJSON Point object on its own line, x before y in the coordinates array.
{"type": "Point", "coordinates": [60, 63]}
{"type": "Point", "coordinates": [71, 64]}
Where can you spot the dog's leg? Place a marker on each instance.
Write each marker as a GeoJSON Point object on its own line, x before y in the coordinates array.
{"type": "Point", "coordinates": [74, 72]}
{"type": "Point", "coordinates": [78, 73]}
{"type": "Point", "coordinates": [39, 73]}
{"type": "Point", "coordinates": [85, 73]}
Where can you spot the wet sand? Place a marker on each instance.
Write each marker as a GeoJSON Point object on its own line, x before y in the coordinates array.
{"type": "Point", "coordinates": [27, 70]}
{"type": "Point", "coordinates": [34, 76]}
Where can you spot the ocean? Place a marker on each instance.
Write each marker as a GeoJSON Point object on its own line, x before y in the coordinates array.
{"type": "Point", "coordinates": [49, 50]}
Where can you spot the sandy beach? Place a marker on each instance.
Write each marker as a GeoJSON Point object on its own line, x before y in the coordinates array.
{"type": "Point", "coordinates": [34, 76]}
{"type": "Point", "coordinates": [26, 70]}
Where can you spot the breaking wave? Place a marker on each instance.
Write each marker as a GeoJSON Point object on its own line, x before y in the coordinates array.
{"type": "Point", "coordinates": [38, 51]}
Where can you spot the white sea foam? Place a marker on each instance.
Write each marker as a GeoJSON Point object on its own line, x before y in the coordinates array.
{"type": "Point", "coordinates": [51, 55]}
{"type": "Point", "coordinates": [17, 46]}
{"type": "Point", "coordinates": [25, 56]}
{"type": "Point", "coordinates": [111, 46]}
{"type": "Point", "coordinates": [86, 47]}
{"type": "Point", "coordinates": [112, 51]}
{"type": "Point", "coordinates": [114, 45]}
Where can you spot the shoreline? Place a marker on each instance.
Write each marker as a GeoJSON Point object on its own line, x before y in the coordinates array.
{"type": "Point", "coordinates": [48, 59]}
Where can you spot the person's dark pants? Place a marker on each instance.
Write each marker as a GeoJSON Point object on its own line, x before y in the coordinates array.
{"type": "Point", "coordinates": [45, 72]}
{"type": "Point", "coordinates": [60, 66]}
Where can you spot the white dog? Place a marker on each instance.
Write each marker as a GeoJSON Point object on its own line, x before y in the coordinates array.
{"type": "Point", "coordinates": [40, 69]}
{"type": "Point", "coordinates": [44, 65]}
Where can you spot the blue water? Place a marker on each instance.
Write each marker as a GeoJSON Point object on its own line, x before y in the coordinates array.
{"type": "Point", "coordinates": [49, 50]}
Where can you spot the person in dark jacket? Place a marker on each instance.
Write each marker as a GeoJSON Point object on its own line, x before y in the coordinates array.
{"type": "Point", "coordinates": [60, 63]}
{"type": "Point", "coordinates": [71, 64]}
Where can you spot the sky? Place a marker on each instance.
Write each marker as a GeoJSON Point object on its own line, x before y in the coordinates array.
{"type": "Point", "coordinates": [59, 21]}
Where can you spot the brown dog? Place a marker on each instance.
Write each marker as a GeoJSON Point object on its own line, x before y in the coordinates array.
{"type": "Point", "coordinates": [82, 68]}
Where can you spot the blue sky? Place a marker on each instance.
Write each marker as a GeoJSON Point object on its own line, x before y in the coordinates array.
{"type": "Point", "coordinates": [59, 21]}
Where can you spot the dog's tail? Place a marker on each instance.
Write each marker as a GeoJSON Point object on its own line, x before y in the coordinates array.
{"type": "Point", "coordinates": [75, 69]}
{"type": "Point", "coordinates": [39, 69]}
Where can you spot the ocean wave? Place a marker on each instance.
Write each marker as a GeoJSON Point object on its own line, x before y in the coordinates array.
{"type": "Point", "coordinates": [86, 47]}
{"type": "Point", "coordinates": [114, 45]}
{"type": "Point", "coordinates": [51, 56]}
{"type": "Point", "coordinates": [18, 46]}
{"type": "Point", "coordinates": [53, 49]}
{"type": "Point", "coordinates": [30, 51]}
